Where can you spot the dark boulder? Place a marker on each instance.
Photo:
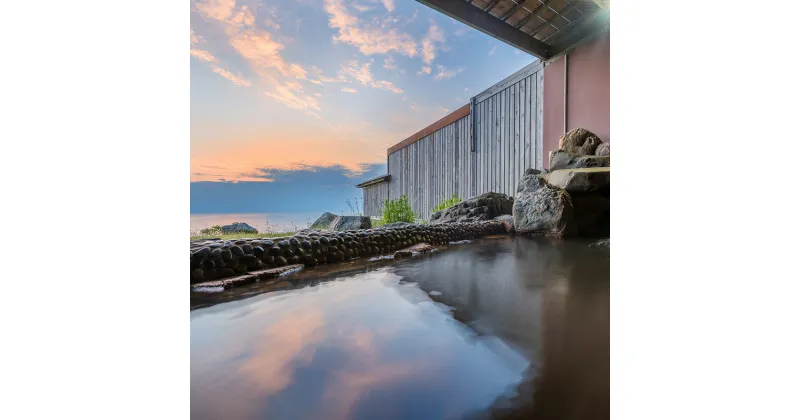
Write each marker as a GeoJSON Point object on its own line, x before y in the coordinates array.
{"type": "Point", "coordinates": [542, 209]}
{"type": "Point", "coordinates": [323, 222]}
{"type": "Point", "coordinates": [481, 207]}
{"type": "Point", "coordinates": [581, 179]}
{"type": "Point", "coordinates": [342, 223]}
{"type": "Point", "coordinates": [561, 159]}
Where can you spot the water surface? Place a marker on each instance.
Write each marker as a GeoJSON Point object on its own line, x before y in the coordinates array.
{"type": "Point", "coordinates": [498, 327]}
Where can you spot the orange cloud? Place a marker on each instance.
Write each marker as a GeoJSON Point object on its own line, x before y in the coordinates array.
{"type": "Point", "coordinates": [230, 76]}
{"type": "Point", "coordinates": [263, 54]}
{"type": "Point", "coordinates": [239, 154]}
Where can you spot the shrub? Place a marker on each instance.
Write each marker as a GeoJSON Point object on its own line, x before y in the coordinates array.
{"type": "Point", "coordinates": [398, 210]}
{"type": "Point", "coordinates": [213, 230]}
{"type": "Point", "coordinates": [450, 202]}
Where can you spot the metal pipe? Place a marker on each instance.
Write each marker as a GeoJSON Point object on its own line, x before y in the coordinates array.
{"type": "Point", "coordinates": [566, 78]}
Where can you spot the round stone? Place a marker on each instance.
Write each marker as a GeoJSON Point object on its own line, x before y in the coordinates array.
{"type": "Point", "coordinates": [280, 261]}
{"type": "Point", "coordinates": [306, 244]}
{"type": "Point", "coordinates": [274, 251]}
{"type": "Point", "coordinates": [294, 242]}
{"type": "Point", "coordinates": [247, 248]}
{"type": "Point", "coordinates": [215, 254]}
{"type": "Point", "coordinates": [258, 251]}
{"type": "Point", "coordinates": [284, 244]}
{"type": "Point", "coordinates": [202, 252]}
{"type": "Point", "coordinates": [237, 251]}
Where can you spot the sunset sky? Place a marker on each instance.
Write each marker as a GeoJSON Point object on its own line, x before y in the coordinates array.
{"type": "Point", "coordinates": [294, 102]}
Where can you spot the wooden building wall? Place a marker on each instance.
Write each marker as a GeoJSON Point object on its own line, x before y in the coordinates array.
{"type": "Point", "coordinates": [506, 125]}
{"type": "Point", "coordinates": [374, 196]}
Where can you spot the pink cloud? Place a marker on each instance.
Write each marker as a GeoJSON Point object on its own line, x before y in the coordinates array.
{"type": "Point", "coordinates": [230, 76]}
{"type": "Point", "coordinates": [349, 90]}
{"type": "Point", "coordinates": [363, 74]}
{"type": "Point", "coordinates": [213, 62]}
{"type": "Point", "coordinates": [367, 37]}
{"type": "Point", "coordinates": [444, 73]}
{"type": "Point", "coordinates": [388, 4]}
{"type": "Point", "coordinates": [434, 36]}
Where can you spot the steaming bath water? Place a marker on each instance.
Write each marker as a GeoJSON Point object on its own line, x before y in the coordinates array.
{"type": "Point", "coordinates": [466, 332]}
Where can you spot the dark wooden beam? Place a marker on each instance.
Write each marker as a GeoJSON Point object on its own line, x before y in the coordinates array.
{"type": "Point", "coordinates": [490, 25]}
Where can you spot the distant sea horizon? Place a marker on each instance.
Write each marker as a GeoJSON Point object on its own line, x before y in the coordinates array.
{"type": "Point", "coordinates": [264, 222]}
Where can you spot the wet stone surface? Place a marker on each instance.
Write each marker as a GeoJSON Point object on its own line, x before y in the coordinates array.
{"type": "Point", "coordinates": [217, 259]}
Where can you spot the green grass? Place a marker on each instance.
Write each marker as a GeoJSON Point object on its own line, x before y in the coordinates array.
{"type": "Point", "coordinates": [450, 202]}
{"type": "Point", "coordinates": [268, 232]}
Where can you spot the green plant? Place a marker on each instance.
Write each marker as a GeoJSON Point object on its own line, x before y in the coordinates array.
{"type": "Point", "coordinates": [450, 202]}
{"type": "Point", "coordinates": [213, 230]}
{"type": "Point", "coordinates": [398, 210]}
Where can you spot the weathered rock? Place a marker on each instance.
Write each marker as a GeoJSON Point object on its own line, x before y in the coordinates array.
{"type": "Point", "coordinates": [480, 207]}
{"type": "Point", "coordinates": [508, 222]}
{"type": "Point", "coordinates": [342, 223]}
{"type": "Point", "coordinates": [532, 171]}
{"type": "Point", "coordinates": [323, 222]}
{"type": "Point", "coordinates": [420, 248]}
{"type": "Point", "coordinates": [579, 141]}
{"type": "Point", "coordinates": [237, 227]}
{"type": "Point", "coordinates": [561, 159]}
{"type": "Point", "coordinates": [581, 179]}
{"type": "Point", "coordinates": [604, 149]}
{"type": "Point", "coordinates": [543, 209]}
{"type": "Point", "coordinates": [529, 182]}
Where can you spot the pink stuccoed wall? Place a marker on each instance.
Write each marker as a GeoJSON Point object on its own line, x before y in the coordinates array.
{"type": "Point", "coordinates": [588, 97]}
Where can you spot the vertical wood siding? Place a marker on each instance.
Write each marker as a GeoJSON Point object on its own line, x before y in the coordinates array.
{"type": "Point", "coordinates": [374, 196]}
{"type": "Point", "coordinates": [507, 122]}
